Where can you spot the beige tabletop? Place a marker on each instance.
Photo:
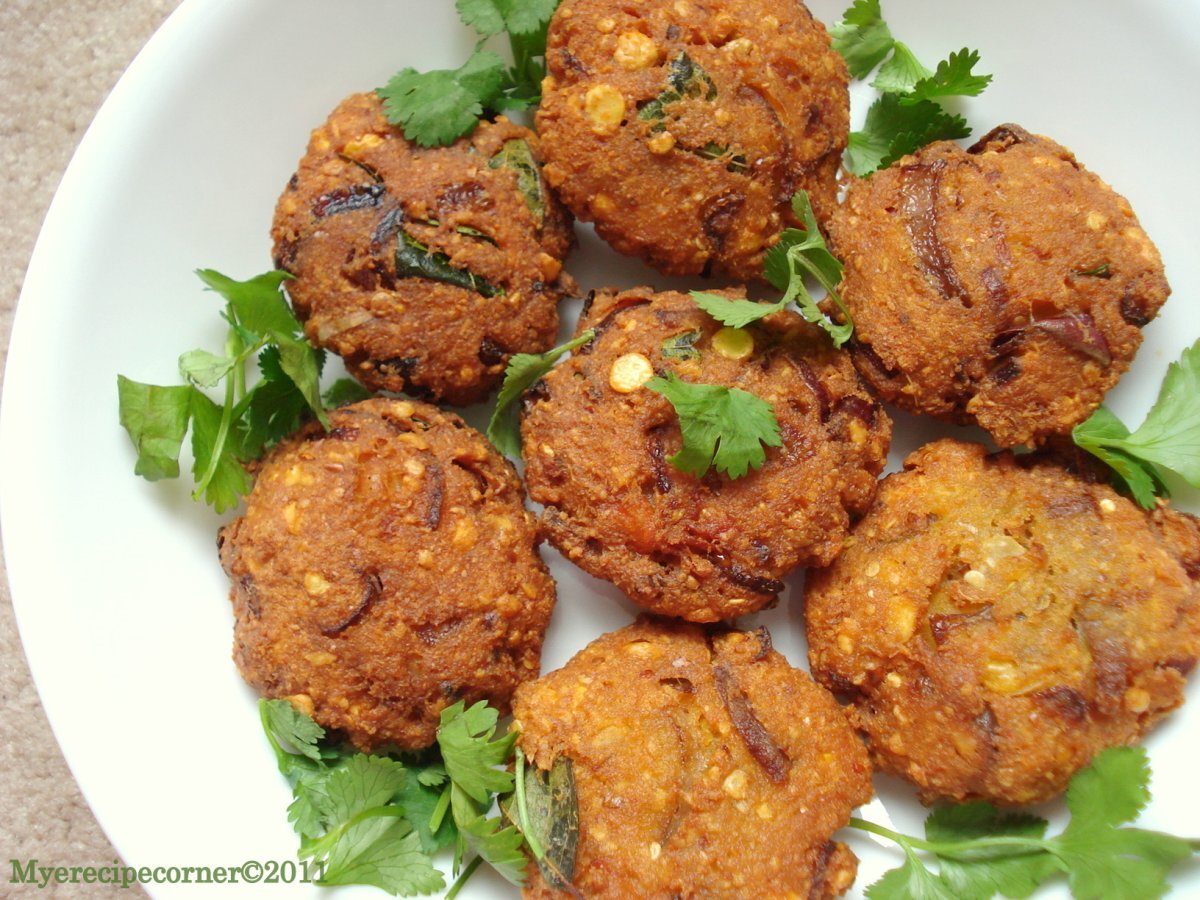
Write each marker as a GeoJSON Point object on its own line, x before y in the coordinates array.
{"type": "Point", "coordinates": [58, 61]}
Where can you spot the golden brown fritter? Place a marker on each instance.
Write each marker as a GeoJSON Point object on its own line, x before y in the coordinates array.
{"type": "Point", "coordinates": [384, 570]}
{"type": "Point", "coordinates": [597, 448]}
{"type": "Point", "coordinates": [704, 766]}
{"type": "Point", "coordinates": [373, 226]}
{"type": "Point", "coordinates": [683, 127]}
{"type": "Point", "coordinates": [998, 622]}
{"type": "Point", "coordinates": [1004, 285]}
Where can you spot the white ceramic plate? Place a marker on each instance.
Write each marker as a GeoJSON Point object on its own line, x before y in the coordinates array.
{"type": "Point", "coordinates": [121, 603]}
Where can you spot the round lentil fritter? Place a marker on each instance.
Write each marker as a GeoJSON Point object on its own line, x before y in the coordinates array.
{"type": "Point", "coordinates": [1003, 285]}
{"type": "Point", "coordinates": [997, 622]}
{"type": "Point", "coordinates": [683, 127]}
{"type": "Point", "coordinates": [424, 269]}
{"type": "Point", "coordinates": [704, 766]}
{"type": "Point", "coordinates": [597, 448]}
{"type": "Point", "coordinates": [384, 570]}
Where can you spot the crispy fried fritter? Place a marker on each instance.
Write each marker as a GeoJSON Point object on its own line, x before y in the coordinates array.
{"type": "Point", "coordinates": [384, 570]}
{"type": "Point", "coordinates": [425, 269]}
{"type": "Point", "coordinates": [683, 127]}
{"type": "Point", "coordinates": [597, 449]}
{"type": "Point", "coordinates": [704, 766]}
{"type": "Point", "coordinates": [998, 622]}
{"type": "Point", "coordinates": [1004, 285]}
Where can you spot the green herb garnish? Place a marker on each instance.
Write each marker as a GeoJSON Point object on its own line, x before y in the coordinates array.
{"type": "Point", "coordinates": [228, 434]}
{"type": "Point", "coordinates": [415, 260]}
{"type": "Point", "coordinates": [685, 78]}
{"type": "Point", "coordinates": [1168, 438]}
{"type": "Point", "coordinates": [524, 369]}
{"type": "Point", "coordinates": [723, 428]}
{"type": "Point", "coordinates": [436, 108]}
{"type": "Point", "coordinates": [517, 156]}
{"type": "Point", "coordinates": [378, 819]}
{"type": "Point", "coordinates": [982, 853]}
{"type": "Point", "coordinates": [799, 252]}
{"type": "Point", "coordinates": [682, 346]}
{"type": "Point", "coordinates": [907, 115]}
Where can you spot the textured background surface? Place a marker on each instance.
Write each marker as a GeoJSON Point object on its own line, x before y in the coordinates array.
{"type": "Point", "coordinates": [58, 62]}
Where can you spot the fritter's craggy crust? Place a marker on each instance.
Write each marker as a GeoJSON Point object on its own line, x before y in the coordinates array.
{"type": "Point", "coordinates": [362, 193]}
{"type": "Point", "coordinates": [704, 765]}
{"type": "Point", "coordinates": [384, 570]}
{"type": "Point", "coordinates": [998, 624]}
{"type": "Point", "coordinates": [683, 127]}
{"type": "Point", "coordinates": [1003, 285]}
{"type": "Point", "coordinates": [596, 456]}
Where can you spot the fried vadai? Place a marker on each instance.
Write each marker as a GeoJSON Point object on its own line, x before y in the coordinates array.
{"type": "Point", "coordinates": [1003, 285]}
{"type": "Point", "coordinates": [385, 569]}
{"type": "Point", "coordinates": [598, 445]}
{"type": "Point", "coordinates": [997, 621]}
{"type": "Point", "coordinates": [682, 128]}
{"type": "Point", "coordinates": [704, 765]}
{"type": "Point", "coordinates": [425, 269]}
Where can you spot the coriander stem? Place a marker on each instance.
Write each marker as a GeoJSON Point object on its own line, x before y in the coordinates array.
{"type": "Point", "coordinates": [462, 877]}
{"type": "Point", "coordinates": [955, 849]}
{"type": "Point", "coordinates": [219, 443]}
{"type": "Point", "coordinates": [439, 811]}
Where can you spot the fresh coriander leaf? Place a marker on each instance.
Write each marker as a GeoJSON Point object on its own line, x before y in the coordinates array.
{"type": "Point", "coordinates": [862, 37]}
{"type": "Point", "coordinates": [470, 754]}
{"type": "Point", "coordinates": [273, 409]}
{"type": "Point", "coordinates": [735, 313]}
{"type": "Point", "coordinates": [361, 782]}
{"type": "Point", "coordinates": [156, 419]}
{"type": "Point", "coordinates": [894, 128]}
{"type": "Point", "coordinates": [901, 73]}
{"type": "Point", "coordinates": [1113, 790]}
{"type": "Point", "coordinates": [343, 392]}
{"type": "Point", "coordinates": [384, 851]}
{"type": "Point", "coordinates": [722, 427]}
{"type": "Point", "coordinates": [205, 369]}
{"type": "Point", "coordinates": [490, 17]}
{"type": "Point", "coordinates": [257, 307]}
{"type": "Point", "coordinates": [438, 107]}
{"type": "Point", "coordinates": [524, 369]}
{"type": "Point", "coordinates": [257, 303]}
{"type": "Point", "coordinates": [802, 252]}
{"type": "Point", "coordinates": [220, 476]}
{"type": "Point", "coordinates": [291, 730]}
{"type": "Point", "coordinates": [983, 874]}
{"type": "Point", "coordinates": [911, 881]}
{"type": "Point", "coordinates": [954, 78]}
{"type": "Point", "coordinates": [1118, 863]}
{"type": "Point", "coordinates": [1169, 437]}
{"type": "Point", "coordinates": [419, 802]}
{"type": "Point", "coordinates": [501, 847]}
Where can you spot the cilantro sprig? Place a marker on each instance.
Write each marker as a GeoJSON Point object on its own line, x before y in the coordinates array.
{"type": "Point", "coordinates": [228, 434]}
{"type": "Point", "coordinates": [438, 107]}
{"type": "Point", "coordinates": [981, 852]}
{"type": "Point", "coordinates": [723, 428]}
{"type": "Point", "coordinates": [378, 819]}
{"type": "Point", "coordinates": [524, 369]}
{"type": "Point", "coordinates": [907, 115]}
{"type": "Point", "coordinates": [1169, 438]}
{"type": "Point", "coordinates": [799, 252]}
